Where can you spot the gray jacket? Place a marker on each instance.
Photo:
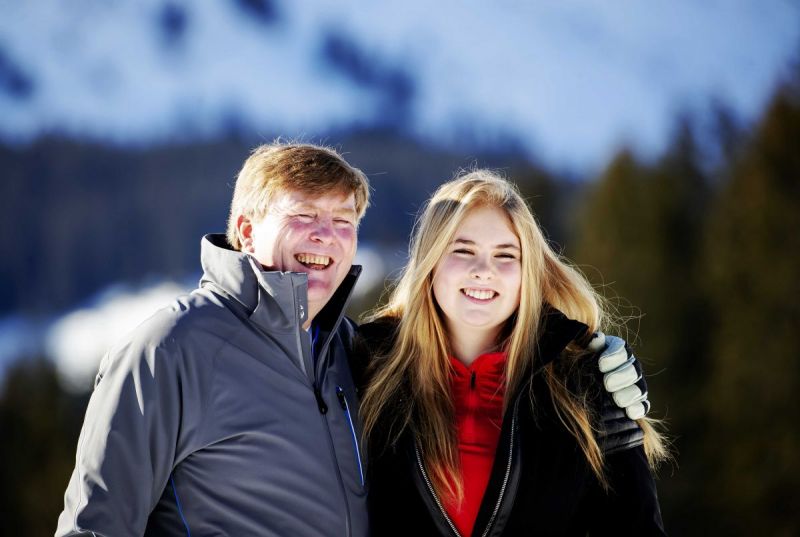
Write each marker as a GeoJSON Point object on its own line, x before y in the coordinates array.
{"type": "Point", "coordinates": [214, 418]}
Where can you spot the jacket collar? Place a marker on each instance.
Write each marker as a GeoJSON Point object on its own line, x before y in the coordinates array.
{"type": "Point", "coordinates": [273, 300]}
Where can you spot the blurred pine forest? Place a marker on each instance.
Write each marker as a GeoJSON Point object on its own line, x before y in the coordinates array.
{"type": "Point", "coordinates": [699, 257]}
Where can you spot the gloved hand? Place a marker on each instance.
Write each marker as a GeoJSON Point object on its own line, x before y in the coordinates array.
{"type": "Point", "coordinates": [622, 375]}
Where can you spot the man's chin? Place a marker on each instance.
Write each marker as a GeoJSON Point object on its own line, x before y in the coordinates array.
{"type": "Point", "coordinates": [320, 292]}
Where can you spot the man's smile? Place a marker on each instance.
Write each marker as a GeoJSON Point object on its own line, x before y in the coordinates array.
{"type": "Point", "coordinates": [314, 261]}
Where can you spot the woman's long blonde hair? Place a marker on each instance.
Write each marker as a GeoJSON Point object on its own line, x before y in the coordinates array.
{"type": "Point", "coordinates": [412, 383]}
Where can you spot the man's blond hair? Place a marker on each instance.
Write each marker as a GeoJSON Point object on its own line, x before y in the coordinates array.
{"type": "Point", "coordinates": [280, 167]}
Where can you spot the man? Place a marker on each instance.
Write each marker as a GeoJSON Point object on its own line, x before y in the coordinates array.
{"type": "Point", "coordinates": [232, 412]}
{"type": "Point", "coordinates": [228, 413]}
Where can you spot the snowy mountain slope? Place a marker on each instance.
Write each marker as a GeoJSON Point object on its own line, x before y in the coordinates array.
{"type": "Point", "coordinates": [570, 80]}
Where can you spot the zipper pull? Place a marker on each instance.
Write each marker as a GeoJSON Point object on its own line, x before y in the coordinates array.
{"type": "Point", "coordinates": [472, 381]}
{"type": "Point", "coordinates": [323, 408]}
{"type": "Point", "coordinates": [341, 397]}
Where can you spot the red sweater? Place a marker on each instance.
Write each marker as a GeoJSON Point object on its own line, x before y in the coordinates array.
{"type": "Point", "coordinates": [478, 399]}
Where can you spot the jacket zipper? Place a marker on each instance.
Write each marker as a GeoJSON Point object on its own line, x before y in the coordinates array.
{"type": "Point", "coordinates": [502, 488]}
{"type": "Point", "coordinates": [433, 492]}
{"type": "Point", "coordinates": [346, 408]}
{"type": "Point", "coordinates": [323, 409]}
{"type": "Point", "coordinates": [297, 336]}
{"type": "Point", "coordinates": [506, 476]}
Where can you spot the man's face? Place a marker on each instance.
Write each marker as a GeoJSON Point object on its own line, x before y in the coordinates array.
{"type": "Point", "coordinates": [301, 233]}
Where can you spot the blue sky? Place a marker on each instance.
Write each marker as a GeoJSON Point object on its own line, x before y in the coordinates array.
{"type": "Point", "coordinates": [572, 81]}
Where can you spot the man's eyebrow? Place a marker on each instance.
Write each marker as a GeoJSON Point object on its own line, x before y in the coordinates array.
{"type": "Point", "coordinates": [306, 206]}
{"type": "Point", "coordinates": [300, 205]}
{"type": "Point", "coordinates": [345, 210]}
{"type": "Point", "coordinates": [503, 246]}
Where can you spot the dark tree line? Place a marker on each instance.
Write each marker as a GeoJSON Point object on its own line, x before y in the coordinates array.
{"type": "Point", "coordinates": [711, 261]}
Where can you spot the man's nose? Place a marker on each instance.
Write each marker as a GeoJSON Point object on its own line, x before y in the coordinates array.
{"type": "Point", "coordinates": [323, 230]}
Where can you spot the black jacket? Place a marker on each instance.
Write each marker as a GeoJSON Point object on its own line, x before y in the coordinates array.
{"type": "Point", "coordinates": [540, 483]}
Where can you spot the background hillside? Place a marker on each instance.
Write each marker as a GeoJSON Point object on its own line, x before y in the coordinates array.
{"type": "Point", "coordinates": [659, 148]}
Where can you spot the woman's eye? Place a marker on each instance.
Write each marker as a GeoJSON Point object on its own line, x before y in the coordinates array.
{"type": "Point", "coordinates": [506, 256]}
{"type": "Point", "coordinates": [462, 251]}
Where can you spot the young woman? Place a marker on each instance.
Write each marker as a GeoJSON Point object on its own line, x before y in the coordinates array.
{"type": "Point", "coordinates": [484, 414]}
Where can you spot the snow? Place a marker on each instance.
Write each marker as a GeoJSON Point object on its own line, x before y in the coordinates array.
{"type": "Point", "coordinates": [76, 340]}
{"type": "Point", "coordinates": [570, 80]}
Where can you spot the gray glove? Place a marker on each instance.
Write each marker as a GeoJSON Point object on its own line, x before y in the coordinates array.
{"type": "Point", "coordinates": [622, 375]}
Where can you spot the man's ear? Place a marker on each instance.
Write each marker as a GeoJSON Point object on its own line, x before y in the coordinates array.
{"type": "Point", "coordinates": [244, 227]}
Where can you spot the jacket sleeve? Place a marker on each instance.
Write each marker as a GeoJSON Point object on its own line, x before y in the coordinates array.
{"type": "Point", "coordinates": [617, 431]}
{"type": "Point", "coordinates": [127, 444]}
{"type": "Point", "coordinates": [630, 504]}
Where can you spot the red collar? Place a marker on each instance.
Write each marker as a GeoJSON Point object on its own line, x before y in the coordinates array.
{"type": "Point", "coordinates": [491, 363]}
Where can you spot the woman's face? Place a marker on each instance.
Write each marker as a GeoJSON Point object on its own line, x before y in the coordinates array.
{"type": "Point", "coordinates": [477, 281]}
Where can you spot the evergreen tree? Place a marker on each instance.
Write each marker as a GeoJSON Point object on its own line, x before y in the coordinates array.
{"type": "Point", "coordinates": [39, 426]}
{"type": "Point", "coordinates": [610, 221]}
{"type": "Point", "coordinates": [640, 235]}
{"type": "Point", "coordinates": [753, 260]}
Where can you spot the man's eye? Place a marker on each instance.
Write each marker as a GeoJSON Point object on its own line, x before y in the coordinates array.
{"type": "Point", "coordinates": [305, 217]}
{"type": "Point", "coordinates": [343, 222]}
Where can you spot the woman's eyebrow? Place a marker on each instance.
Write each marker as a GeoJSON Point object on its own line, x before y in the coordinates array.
{"type": "Point", "coordinates": [503, 246]}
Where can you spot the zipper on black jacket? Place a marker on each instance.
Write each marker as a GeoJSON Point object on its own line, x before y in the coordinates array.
{"type": "Point", "coordinates": [507, 474]}
{"type": "Point", "coordinates": [433, 492]}
{"type": "Point", "coordinates": [343, 403]}
{"type": "Point", "coordinates": [502, 487]}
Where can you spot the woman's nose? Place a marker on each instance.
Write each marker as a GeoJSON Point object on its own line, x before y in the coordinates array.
{"type": "Point", "coordinates": [481, 269]}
